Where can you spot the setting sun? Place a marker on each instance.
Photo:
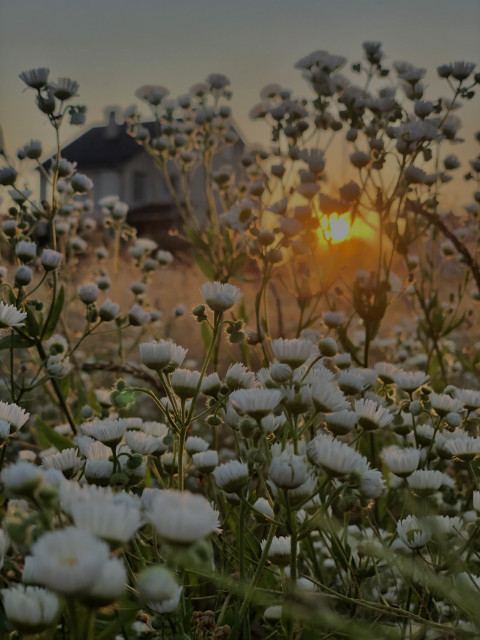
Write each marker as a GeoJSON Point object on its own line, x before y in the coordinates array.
{"type": "Point", "coordinates": [336, 228]}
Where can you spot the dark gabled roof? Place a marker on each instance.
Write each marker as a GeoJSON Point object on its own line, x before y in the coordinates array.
{"type": "Point", "coordinates": [95, 148]}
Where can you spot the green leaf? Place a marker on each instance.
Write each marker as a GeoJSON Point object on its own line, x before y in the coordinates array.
{"type": "Point", "coordinates": [55, 314]}
{"type": "Point", "coordinates": [46, 436]}
{"type": "Point", "coordinates": [31, 322]}
{"type": "Point", "coordinates": [15, 341]}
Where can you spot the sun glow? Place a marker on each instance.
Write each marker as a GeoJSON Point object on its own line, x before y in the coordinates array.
{"type": "Point", "coordinates": [335, 228]}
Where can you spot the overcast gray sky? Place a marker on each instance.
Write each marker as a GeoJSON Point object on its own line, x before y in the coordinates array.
{"type": "Point", "coordinates": [111, 47]}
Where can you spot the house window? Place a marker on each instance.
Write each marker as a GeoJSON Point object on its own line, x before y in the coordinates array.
{"type": "Point", "coordinates": [139, 186]}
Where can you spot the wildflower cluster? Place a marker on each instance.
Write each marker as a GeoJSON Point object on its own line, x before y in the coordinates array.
{"type": "Point", "coordinates": [322, 484]}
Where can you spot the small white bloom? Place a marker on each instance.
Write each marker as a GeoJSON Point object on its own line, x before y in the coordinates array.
{"type": "Point", "coordinates": [182, 517]}
{"type": "Point", "coordinates": [211, 385]}
{"type": "Point", "coordinates": [341, 422]}
{"type": "Point", "coordinates": [462, 446]}
{"type": "Point", "coordinates": [220, 297]}
{"type": "Point", "coordinates": [162, 355]}
{"type": "Point", "coordinates": [327, 398]}
{"type": "Point", "coordinates": [66, 461]}
{"type": "Point", "coordinates": [469, 398]}
{"type": "Point", "coordinates": [98, 471]}
{"type": "Point", "coordinates": [30, 610]}
{"type": "Point", "coordinates": [109, 310]}
{"type": "Point", "coordinates": [88, 293]}
{"type": "Point", "coordinates": [50, 259]}
{"type": "Point", "coordinates": [238, 377]}
{"type": "Point", "coordinates": [262, 506]}
{"type": "Point", "coordinates": [35, 78]}
{"type": "Point", "coordinates": [402, 462]}
{"type": "Point", "coordinates": [144, 443]}
{"type": "Point", "coordinates": [10, 316]}
{"type": "Point", "coordinates": [26, 251]}
{"type": "Point", "coordinates": [256, 403]}
{"type": "Point", "coordinates": [292, 352]}
{"type": "Point", "coordinates": [13, 414]}
{"type": "Point", "coordinates": [409, 380]}
{"type": "Point", "coordinates": [385, 371]}
{"type": "Point", "coordinates": [113, 522]}
{"type": "Point", "coordinates": [159, 589]}
{"type": "Point", "coordinates": [279, 551]}
{"type": "Point", "coordinates": [205, 461]}
{"type": "Point", "coordinates": [21, 478]}
{"type": "Point", "coordinates": [137, 316]}
{"type": "Point", "coordinates": [185, 382]}
{"type": "Point", "coordinates": [194, 444]}
{"type": "Point", "coordinates": [68, 561]}
{"type": "Point", "coordinates": [442, 403]}
{"type": "Point", "coordinates": [372, 416]}
{"type": "Point", "coordinates": [81, 183]}
{"type": "Point", "coordinates": [108, 431]}
{"type": "Point", "coordinates": [109, 585]}
{"type": "Point", "coordinates": [336, 457]}
{"type": "Point", "coordinates": [424, 482]}
{"type": "Point", "coordinates": [288, 471]}
{"type": "Point", "coordinates": [231, 476]}
{"type": "Point", "coordinates": [411, 533]}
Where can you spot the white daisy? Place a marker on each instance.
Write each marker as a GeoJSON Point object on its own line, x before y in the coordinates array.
{"type": "Point", "coordinates": [67, 561]}
{"type": "Point", "coordinates": [220, 297]}
{"type": "Point", "coordinates": [182, 517]}
{"type": "Point", "coordinates": [10, 316]}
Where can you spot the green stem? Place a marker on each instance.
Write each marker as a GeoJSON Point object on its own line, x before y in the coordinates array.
{"type": "Point", "coordinates": [181, 447]}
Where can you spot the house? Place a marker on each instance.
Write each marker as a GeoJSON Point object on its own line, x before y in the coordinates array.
{"type": "Point", "coordinates": [118, 165]}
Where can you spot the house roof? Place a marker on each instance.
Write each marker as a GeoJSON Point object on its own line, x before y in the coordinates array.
{"type": "Point", "coordinates": [95, 148]}
{"type": "Point", "coordinates": [108, 146]}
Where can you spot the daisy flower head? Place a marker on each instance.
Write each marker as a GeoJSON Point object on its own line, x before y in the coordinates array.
{"type": "Point", "coordinates": [412, 533]}
{"type": "Point", "coordinates": [288, 471]}
{"type": "Point", "coordinates": [182, 518]}
{"type": "Point", "coordinates": [327, 398]}
{"type": "Point", "coordinates": [162, 355]}
{"type": "Point", "coordinates": [109, 586]}
{"type": "Point", "coordinates": [443, 403]}
{"type": "Point", "coordinates": [113, 522]}
{"type": "Point", "coordinates": [402, 462]}
{"type": "Point", "coordinates": [205, 461]}
{"type": "Point", "coordinates": [67, 561]}
{"type": "Point", "coordinates": [30, 610]}
{"type": "Point", "coordinates": [35, 78]}
{"type": "Point", "coordinates": [159, 589]}
{"type": "Point", "coordinates": [231, 476]}
{"type": "Point", "coordinates": [292, 352]}
{"type": "Point", "coordinates": [371, 416]}
{"type": "Point", "coordinates": [279, 552]}
{"type": "Point", "coordinates": [10, 316]}
{"type": "Point", "coordinates": [256, 403]}
{"type": "Point", "coordinates": [409, 380]}
{"type": "Point", "coordinates": [336, 457]}
{"type": "Point", "coordinates": [425, 482]}
{"type": "Point", "coordinates": [220, 296]}
{"type": "Point", "coordinates": [109, 431]}
{"type": "Point", "coordinates": [13, 414]}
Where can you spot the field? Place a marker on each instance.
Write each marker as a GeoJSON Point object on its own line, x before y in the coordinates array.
{"type": "Point", "coordinates": [274, 431]}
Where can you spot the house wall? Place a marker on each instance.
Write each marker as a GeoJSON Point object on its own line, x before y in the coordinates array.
{"type": "Point", "coordinates": [139, 182]}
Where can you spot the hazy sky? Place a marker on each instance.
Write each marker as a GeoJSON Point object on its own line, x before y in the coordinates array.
{"type": "Point", "coordinates": [111, 47]}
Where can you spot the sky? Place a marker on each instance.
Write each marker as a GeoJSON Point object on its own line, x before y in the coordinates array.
{"type": "Point", "coordinates": [112, 47]}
